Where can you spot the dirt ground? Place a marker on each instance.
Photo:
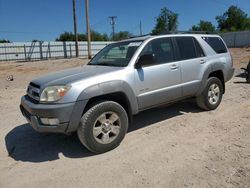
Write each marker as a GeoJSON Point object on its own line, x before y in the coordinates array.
{"type": "Point", "coordinates": [170, 146]}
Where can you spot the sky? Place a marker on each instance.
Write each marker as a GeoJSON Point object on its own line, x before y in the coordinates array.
{"type": "Point", "coordinates": [26, 20]}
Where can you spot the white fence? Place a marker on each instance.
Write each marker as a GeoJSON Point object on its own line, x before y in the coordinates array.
{"type": "Point", "coordinates": [237, 39]}
{"type": "Point", "coordinates": [27, 51]}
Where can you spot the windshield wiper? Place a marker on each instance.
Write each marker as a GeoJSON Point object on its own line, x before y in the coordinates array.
{"type": "Point", "coordinates": [107, 64]}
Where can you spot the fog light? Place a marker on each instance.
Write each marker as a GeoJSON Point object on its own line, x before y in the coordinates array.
{"type": "Point", "coordinates": [49, 121]}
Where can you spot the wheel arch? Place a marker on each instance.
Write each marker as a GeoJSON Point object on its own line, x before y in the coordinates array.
{"type": "Point", "coordinates": [214, 70]}
{"type": "Point", "coordinates": [117, 91]}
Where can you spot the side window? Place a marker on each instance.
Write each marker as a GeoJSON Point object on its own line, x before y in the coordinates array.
{"type": "Point", "coordinates": [186, 47]}
{"type": "Point", "coordinates": [199, 51]}
{"type": "Point", "coordinates": [161, 49]}
{"type": "Point", "coordinates": [216, 43]}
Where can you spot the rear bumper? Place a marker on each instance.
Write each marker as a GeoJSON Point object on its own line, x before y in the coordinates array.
{"type": "Point", "coordinates": [68, 114]}
{"type": "Point", "coordinates": [229, 74]}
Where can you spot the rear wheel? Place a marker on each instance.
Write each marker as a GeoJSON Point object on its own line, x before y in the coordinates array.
{"type": "Point", "coordinates": [211, 96]}
{"type": "Point", "coordinates": [103, 127]}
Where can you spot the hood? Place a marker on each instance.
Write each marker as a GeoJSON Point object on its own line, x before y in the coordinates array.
{"type": "Point", "coordinates": [71, 75]}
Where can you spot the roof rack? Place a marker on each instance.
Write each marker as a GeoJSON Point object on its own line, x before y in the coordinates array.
{"type": "Point", "coordinates": [137, 36]}
{"type": "Point", "coordinates": [175, 32]}
{"type": "Point", "coordinates": [187, 32]}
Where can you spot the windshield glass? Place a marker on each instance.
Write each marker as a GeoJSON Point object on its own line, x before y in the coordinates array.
{"type": "Point", "coordinates": [116, 54]}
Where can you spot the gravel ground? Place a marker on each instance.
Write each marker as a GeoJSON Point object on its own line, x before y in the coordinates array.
{"type": "Point", "coordinates": [170, 146]}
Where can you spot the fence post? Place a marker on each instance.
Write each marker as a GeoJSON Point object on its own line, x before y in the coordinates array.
{"type": "Point", "coordinates": [64, 49]}
{"type": "Point", "coordinates": [41, 49]}
{"type": "Point", "coordinates": [25, 54]}
{"type": "Point", "coordinates": [5, 52]}
{"type": "Point", "coordinates": [70, 50]}
{"type": "Point", "coordinates": [49, 50]}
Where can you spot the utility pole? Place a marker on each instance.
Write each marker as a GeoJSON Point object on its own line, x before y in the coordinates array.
{"type": "Point", "coordinates": [140, 28]}
{"type": "Point", "coordinates": [113, 25]}
{"type": "Point", "coordinates": [88, 29]}
{"type": "Point", "coordinates": [75, 28]}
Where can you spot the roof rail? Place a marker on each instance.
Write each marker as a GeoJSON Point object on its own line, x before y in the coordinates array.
{"type": "Point", "coordinates": [146, 35]}
{"type": "Point", "coordinates": [187, 32]}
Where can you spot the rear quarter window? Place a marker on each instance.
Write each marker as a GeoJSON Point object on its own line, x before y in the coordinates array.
{"type": "Point", "coordinates": [216, 44]}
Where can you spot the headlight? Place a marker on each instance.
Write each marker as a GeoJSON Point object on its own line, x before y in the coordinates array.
{"type": "Point", "coordinates": [53, 93]}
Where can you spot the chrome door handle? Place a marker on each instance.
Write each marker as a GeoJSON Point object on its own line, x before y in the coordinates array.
{"type": "Point", "coordinates": [173, 67]}
{"type": "Point", "coordinates": [202, 61]}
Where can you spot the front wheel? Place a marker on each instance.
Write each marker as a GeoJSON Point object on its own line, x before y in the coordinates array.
{"type": "Point", "coordinates": [211, 97]}
{"type": "Point", "coordinates": [103, 127]}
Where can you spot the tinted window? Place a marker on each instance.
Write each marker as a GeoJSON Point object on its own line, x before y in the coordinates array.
{"type": "Point", "coordinates": [186, 47]}
{"type": "Point", "coordinates": [161, 49]}
{"type": "Point", "coordinates": [216, 43]}
{"type": "Point", "coordinates": [199, 51]}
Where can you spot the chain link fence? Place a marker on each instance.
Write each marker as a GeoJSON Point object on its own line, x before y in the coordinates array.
{"type": "Point", "coordinates": [29, 51]}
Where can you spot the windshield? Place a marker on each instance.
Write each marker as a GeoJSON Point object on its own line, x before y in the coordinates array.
{"type": "Point", "coordinates": [117, 54]}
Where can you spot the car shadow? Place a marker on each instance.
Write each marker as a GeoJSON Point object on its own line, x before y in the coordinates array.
{"type": "Point", "coordinates": [25, 144]}
{"type": "Point", "coordinates": [239, 82]}
{"type": "Point", "coordinates": [161, 113]}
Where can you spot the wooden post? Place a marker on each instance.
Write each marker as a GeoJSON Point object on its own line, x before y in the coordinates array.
{"type": "Point", "coordinates": [49, 50]}
{"type": "Point", "coordinates": [88, 29]}
{"type": "Point", "coordinates": [75, 28]}
{"type": "Point", "coordinates": [25, 53]}
{"type": "Point", "coordinates": [41, 49]}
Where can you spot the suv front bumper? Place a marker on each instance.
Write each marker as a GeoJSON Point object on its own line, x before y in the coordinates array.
{"type": "Point", "coordinates": [63, 112]}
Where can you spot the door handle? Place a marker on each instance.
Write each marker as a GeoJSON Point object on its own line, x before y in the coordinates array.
{"type": "Point", "coordinates": [173, 67]}
{"type": "Point", "coordinates": [202, 61]}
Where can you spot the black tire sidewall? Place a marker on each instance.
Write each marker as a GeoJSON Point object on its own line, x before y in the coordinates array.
{"type": "Point", "coordinates": [210, 81]}
{"type": "Point", "coordinates": [92, 114]}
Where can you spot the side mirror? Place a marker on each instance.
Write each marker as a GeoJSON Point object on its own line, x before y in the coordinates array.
{"type": "Point", "coordinates": [144, 60]}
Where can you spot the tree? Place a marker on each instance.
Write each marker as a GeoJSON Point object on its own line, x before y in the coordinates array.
{"type": "Point", "coordinates": [167, 21]}
{"type": "Point", "coordinates": [203, 26]}
{"type": "Point", "coordinates": [4, 41]}
{"type": "Point", "coordinates": [122, 35]}
{"type": "Point", "coordinates": [68, 36]}
{"type": "Point", "coordinates": [234, 19]}
{"type": "Point", "coordinates": [95, 36]}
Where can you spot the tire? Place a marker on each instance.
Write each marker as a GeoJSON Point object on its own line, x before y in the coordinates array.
{"type": "Point", "coordinates": [211, 96]}
{"type": "Point", "coordinates": [103, 127]}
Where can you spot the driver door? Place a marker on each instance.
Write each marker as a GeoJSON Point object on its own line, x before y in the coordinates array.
{"type": "Point", "coordinates": [159, 82]}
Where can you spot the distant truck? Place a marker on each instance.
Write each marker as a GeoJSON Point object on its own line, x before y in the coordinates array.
{"type": "Point", "coordinates": [99, 99]}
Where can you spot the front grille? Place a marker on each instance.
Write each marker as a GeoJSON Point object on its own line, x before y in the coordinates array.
{"type": "Point", "coordinates": [33, 91]}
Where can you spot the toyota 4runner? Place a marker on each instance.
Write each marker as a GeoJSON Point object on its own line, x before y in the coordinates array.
{"type": "Point", "coordinates": [99, 99]}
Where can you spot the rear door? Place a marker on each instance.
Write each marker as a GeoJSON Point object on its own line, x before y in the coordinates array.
{"type": "Point", "coordinates": [192, 61]}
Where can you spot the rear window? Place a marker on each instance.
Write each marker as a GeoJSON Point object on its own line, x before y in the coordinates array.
{"type": "Point", "coordinates": [216, 43]}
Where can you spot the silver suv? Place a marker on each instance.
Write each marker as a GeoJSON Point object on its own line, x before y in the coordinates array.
{"type": "Point", "coordinates": [99, 99]}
